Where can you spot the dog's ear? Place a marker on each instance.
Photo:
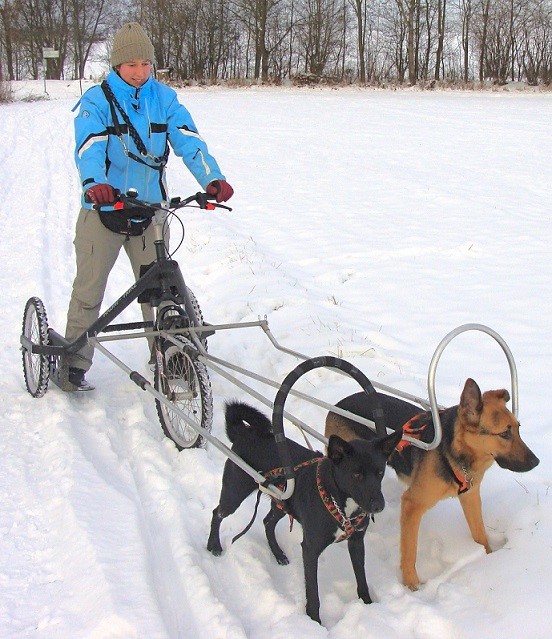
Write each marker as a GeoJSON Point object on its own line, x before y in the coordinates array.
{"type": "Point", "coordinates": [389, 443]}
{"type": "Point", "coordinates": [503, 394]}
{"type": "Point", "coordinates": [338, 449]}
{"type": "Point", "coordinates": [471, 405]}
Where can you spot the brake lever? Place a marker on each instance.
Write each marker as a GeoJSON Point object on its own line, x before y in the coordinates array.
{"type": "Point", "coordinates": [204, 202]}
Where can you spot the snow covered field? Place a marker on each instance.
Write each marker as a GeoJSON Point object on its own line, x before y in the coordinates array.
{"type": "Point", "coordinates": [366, 224]}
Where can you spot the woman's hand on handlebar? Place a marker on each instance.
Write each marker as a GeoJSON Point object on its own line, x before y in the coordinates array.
{"type": "Point", "coordinates": [220, 190]}
{"type": "Point", "coordinates": [102, 194]}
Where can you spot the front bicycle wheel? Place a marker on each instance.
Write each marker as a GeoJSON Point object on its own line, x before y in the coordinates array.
{"type": "Point", "coordinates": [36, 368]}
{"type": "Point", "coordinates": [185, 382]}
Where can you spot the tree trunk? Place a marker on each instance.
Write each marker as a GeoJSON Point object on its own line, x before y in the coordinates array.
{"type": "Point", "coordinates": [441, 13]}
{"type": "Point", "coordinates": [412, 62]}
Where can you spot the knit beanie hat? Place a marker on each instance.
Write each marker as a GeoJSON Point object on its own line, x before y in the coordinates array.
{"type": "Point", "coordinates": [131, 43]}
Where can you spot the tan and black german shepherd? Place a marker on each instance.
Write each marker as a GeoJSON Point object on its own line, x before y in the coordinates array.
{"type": "Point", "coordinates": [476, 433]}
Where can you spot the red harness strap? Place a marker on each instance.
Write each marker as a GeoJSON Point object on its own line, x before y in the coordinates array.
{"type": "Point", "coordinates": [415, 428]}
{"type": "Point", "coordinates": [279, 472]}
{"type": "Point", "coordinates": [349, 526]}
{"type": "Point", "coordinates": [464, 481]}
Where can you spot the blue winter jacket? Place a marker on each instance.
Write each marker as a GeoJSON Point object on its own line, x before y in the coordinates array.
{"type": "Point", "coordinates": [160, 121]}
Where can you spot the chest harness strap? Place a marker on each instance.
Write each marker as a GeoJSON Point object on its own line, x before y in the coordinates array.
{"type": "Point", "coordinates": [349, 525]}
{"type": "Point", "coordinates": [114, 106]}
{"type": "Point", "coordinates": [273, 474]}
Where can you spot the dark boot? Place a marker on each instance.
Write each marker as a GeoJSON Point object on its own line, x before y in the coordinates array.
{"type": "Point", "coordinates": [76, 377]}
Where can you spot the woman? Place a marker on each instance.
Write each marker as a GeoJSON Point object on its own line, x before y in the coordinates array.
{"type": "Point", "coordinates": [123, 132]}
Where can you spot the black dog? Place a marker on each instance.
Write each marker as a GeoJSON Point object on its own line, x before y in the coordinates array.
{"type": "Point", "coordinates": [333, 499]}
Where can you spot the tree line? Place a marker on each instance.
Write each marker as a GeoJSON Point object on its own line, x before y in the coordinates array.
{"type": "Point", "coordinates": [363, 41]}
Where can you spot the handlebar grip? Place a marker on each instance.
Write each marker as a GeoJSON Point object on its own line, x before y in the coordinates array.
{"type": "Point", "coordinates": [116, 193]}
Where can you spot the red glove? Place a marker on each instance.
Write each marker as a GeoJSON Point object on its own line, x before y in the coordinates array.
{"type": "Point", "coordinates": [221, 189]}
{"type": "Point", "coordinates": [101, 194]}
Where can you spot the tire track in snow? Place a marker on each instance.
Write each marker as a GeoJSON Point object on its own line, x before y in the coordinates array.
{"type": "Point", "coordinates": [170, 555]}
{"type": "Point", "coordinates": [53, 492]}
{"type": "Point", "coordinates": [43, 237]}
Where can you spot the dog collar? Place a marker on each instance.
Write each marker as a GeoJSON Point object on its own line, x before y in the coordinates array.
{"type": "Point", "coordinates": [461, 477]}
{"type": "Point", "coordinates": [349, 525]}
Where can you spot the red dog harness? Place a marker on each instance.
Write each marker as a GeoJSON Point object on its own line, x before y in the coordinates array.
{"type": "Point", "coordinates": [415, 428]}
{"type": "Point", "coordinates": [349, 525]}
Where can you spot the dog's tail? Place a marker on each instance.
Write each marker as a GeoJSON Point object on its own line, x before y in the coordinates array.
{"type": "Point", "coordinates": [243, 420]}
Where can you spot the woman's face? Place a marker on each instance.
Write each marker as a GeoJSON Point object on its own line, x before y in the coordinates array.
{"type": "Point", "coordinates": [135, 72]}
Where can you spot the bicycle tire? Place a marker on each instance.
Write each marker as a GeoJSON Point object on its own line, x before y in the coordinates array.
{"type": "Point", "coordinates": [36, 368]}
{"type": "Point", "coordinates": [185, 383]}
{"type": "Point", "coordinates": [198, 315]}
{"type": "Point", "coordinates": [172, 312]}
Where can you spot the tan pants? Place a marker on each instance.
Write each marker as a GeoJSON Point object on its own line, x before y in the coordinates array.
{"type": "Point", "coordinates": [97, 249]}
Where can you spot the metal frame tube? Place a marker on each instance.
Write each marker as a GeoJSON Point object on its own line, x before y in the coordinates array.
{"type": "Point", "coordinates": [219, 365]}
{"type": "Point", "coordinates": [433, 369]}
{"type": "Point", "coordinates": [272, 490]}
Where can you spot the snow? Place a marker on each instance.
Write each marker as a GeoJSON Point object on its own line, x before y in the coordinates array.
{"type": "Point", "coordinates": [366, 224]}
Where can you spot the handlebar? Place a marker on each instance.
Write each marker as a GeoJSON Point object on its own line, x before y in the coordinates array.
{"type": "Point", "coordinates": [146, 209]}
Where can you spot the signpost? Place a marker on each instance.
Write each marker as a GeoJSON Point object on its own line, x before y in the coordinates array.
{"type": "Point", "coordinates": [47, 52]}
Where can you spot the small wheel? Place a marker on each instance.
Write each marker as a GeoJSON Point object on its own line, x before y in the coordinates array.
{"type": "Point", "coordinates": [185, 383]}
{"type": "Point", "coordinates": [36, 368]}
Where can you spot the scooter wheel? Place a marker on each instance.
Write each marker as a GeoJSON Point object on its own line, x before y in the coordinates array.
{"type": "Point", "coordinates": [36, 367]}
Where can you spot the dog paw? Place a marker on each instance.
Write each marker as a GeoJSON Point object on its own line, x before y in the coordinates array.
{"type": "Point", "coordinates": [282, 559]}
{"type": "Point", "coordinates": [215, 549]}
{"type": "Point", "coordinates": [412, 582]}
{"type": "Point", "coordinates": [314, 614]}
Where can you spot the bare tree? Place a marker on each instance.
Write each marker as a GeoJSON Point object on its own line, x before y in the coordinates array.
{"type": "Point", "coordinates": [256, 15]}
{"type": "Point", "coordinates": [500, 40]}
{"type": "Point", "coordinates": [484, 6]}
{"type": "Point", "coordinates": [8, 17]}
{"type": "Point", "coordinates": [498, 46]}
{"type": "Point", "coordinates": [409, 12]}
{"type": "Point", "coordinates": [396, 29]}
{"type": "Point", "coordinates": [88, 27]}
{"type": "Point", "coordinates": [465, 12]}
{"type": "Point", "coordinates": [535, 42]}
{"type": "Point", "coordinates": [360, 11]}
{"type": "Point", "coordinates": [320, 33]}
{"type": "Point", "coordinates": [441, 22]}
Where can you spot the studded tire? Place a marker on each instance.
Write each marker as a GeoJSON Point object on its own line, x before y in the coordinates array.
{"type": "Point", "coordinates": [184, 381]}
{"type": "Point", "coordinates": [198, 314]}
{"type": "Point", "coordinates": [36, 367]}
